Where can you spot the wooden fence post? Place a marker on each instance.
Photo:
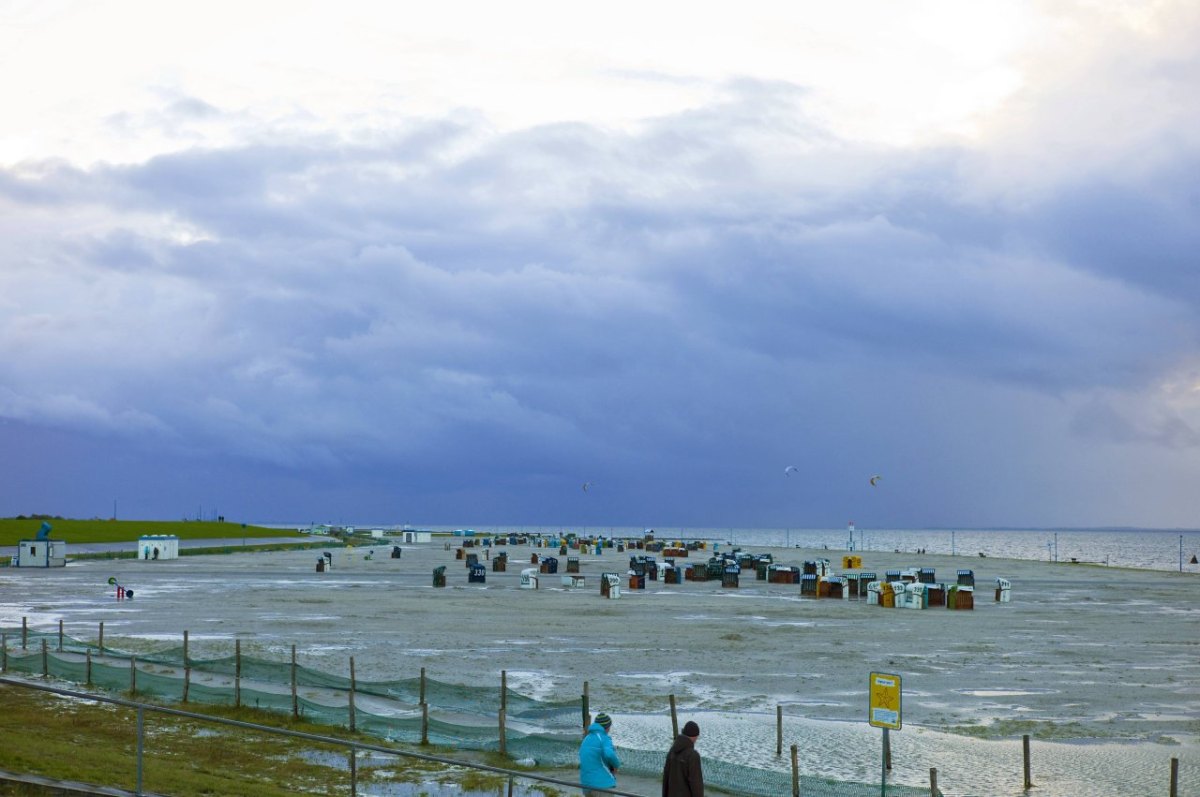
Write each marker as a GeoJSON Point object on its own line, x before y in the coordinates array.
{"type": "Point", "coordinates": [933, 787]}
{"type": "Point", "coordinates": [1025, 750]}
{"type": "Point", "coordinates": [187, 669]}
{"type": "Point", "coordinates": [503, 741]}
{"type": "Point", "coordinates": [352, 684]}
{"type": "Point", "coordinates": [504, 690]}
{"type": "Point", "coordinates": [132, 675]}
{"type": "Point", "coordinates": [778, 730]}
{"type": "Point", "coordinates": [1174, 789]}
{"type": "Point", "coordinates": [45, 661]}
{"type": "Point", "coordinates": [100, 644]}
{"type": "Point", "coordinates": [295, 698]}
{"type": "Point", "coordinates": [424, 723]}
{"type": "Point", "coordinates": [237, 673]}
{"type": "Point", "coordinates": [24, 633]}
{"type": "Point", "coordinates": [3, 652]}
{"type": "Point", "coordinates": [88, 665]}
{"type": "Point", "coordinates": [795, 771]}
{"type": "Point", "coordinates": [422, 700]}
{"type": "Point", "coordinates": [60, 636]}
{"type": "Point", "coordinates": [586, 707]}
{"type": "Point", "coordinates": [674, 718]}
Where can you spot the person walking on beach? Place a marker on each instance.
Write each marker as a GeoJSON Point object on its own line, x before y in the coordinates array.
{"type": "Point", "coordinates": [682, 774]}
{"type": "Point", "coordinates": [598, 761]}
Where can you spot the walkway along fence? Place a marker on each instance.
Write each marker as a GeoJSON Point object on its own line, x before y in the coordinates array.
{"type": "Point", "coordinates": [480, 718]}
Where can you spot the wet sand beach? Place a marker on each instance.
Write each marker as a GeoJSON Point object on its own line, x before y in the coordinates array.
{"type": "Point", "coordinates": [1100, 665]}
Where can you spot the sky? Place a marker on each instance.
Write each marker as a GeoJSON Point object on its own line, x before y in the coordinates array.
{"type": "Point", "coordinates": [444, 264]}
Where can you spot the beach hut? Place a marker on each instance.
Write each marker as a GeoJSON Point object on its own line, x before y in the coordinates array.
{"type": "Point", "coordinates": [43, 552]}
{"type": "Point", "coordinates": [500, 562]}
{"type": "Point", "coordinates": [411, 537]}
{"type": "Point", "coordinates": [529, 578]}
{"type": "Point", "coordinates": [477, 574]}
{"type": "Point", "coordinates": [152, 547]}
{"type": "Point", "coordinates": [610, 585]}
{"type": "Point", "coordinates": [1003, 590]}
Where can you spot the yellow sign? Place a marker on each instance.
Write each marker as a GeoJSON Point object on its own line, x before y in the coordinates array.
{"type": "Point", "coordinates": [885, 701]}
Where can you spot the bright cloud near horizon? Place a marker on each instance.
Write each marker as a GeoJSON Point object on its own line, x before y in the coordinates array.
{"type": "Point", "coordinates": [392, 263]}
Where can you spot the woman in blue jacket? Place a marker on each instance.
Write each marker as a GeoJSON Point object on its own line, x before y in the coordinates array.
{"type": "Point", "coordinates": [597, 759]}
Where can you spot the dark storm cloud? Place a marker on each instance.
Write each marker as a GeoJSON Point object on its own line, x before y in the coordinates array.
{"type": "Point", "coordinates": [460, 317]}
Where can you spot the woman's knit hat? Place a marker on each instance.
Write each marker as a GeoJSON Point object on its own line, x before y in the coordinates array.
{"type": "Point", "coordinates": [691, 729]}
{"type": "Point", "coordinates": [603, 720]}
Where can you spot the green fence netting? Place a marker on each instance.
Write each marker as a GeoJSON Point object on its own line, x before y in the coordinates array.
{"type": "Point", "coordinates": [469, 713]}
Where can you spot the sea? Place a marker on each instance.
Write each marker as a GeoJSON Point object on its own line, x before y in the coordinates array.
{"type": "Point", "coordinates": [1151, 549]}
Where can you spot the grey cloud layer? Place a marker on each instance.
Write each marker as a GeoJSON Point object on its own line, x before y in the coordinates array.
{"type": "Point", "coordinates": [674, 314]}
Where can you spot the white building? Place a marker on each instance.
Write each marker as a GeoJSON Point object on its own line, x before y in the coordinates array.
{"type": "Point", "coordinates": [153, 547]}
{"type": "Point", "coordinates": [41, 553]}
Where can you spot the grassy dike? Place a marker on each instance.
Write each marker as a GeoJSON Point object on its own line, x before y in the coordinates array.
{"type": "Point", "coordinates": [77, 740]}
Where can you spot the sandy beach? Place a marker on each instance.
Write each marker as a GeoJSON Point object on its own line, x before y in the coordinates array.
{"type": "Point", "coordinates": [1100, 665]}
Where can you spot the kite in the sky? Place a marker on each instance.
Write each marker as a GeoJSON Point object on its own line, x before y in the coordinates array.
{"type": "Point", "coordinates": [586, 485]}
{"type": "Point", "coordinates": [790, 469]}
{"type": "Point", "coordinates": [875, 479]}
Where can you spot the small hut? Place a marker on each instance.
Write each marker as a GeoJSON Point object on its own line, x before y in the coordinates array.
{"type": "Point", "coordinates": [153, 547]}
{"type": "Point", "coordinates": [41, 551]}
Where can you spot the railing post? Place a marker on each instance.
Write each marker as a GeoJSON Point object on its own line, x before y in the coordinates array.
{"type": "Point", "coordinates": [674, 718]}
{"type": "Point", "coordinates": [88, 667]}
{"type": "Point", "coordinates": [132, 676]}
{"type": "Point", "coordinates": [933, 787]}
{"type": "Point", "coordinates": [424, 723]}
{"type": "Point", "coordinates": [353, 772]}
{"type": "Point", "coordinates": [187, 669]}
{"type": "Point", "coordinates": [1174, 788]}
{"type": "Point", "coordinates": [60, 636]}
{"type": "Point", "coordinates": [100, 644]}
{"type": "Point", "coordinates": [422, 687]}
{"type": "Point", "coordinates": [3, 652]}
{"type": "Point", "coordinates": [24, 633]}
{"type": "Point", "coordinates": [587, 711]}
{"type": "Point", "coordinates": [504, 690]}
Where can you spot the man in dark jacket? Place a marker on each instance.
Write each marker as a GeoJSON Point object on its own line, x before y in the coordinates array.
{"type": "Point", "coordinates": [682, 775]}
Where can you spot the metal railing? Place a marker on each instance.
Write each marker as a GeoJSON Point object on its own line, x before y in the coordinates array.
{"type": "Point", "coordinates": [352, 747]}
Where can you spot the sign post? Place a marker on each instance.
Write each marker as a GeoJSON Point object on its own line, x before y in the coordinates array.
{"type": "Point", "coordinates": [884, 711]}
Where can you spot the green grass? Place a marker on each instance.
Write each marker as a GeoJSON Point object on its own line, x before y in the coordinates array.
{"type": "Point", "coordinates": [79, 740]}
{"type": "Point", "coordinates": [12, 530]}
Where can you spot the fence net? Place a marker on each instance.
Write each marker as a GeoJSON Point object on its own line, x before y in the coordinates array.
{"type": "Point", "coordinates": [468, 714]}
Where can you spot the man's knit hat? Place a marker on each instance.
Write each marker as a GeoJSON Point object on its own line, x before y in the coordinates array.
{"type": "Point", "coordinates": [691, 729]}
{"type": "Point", "coordinates": [603, 720]}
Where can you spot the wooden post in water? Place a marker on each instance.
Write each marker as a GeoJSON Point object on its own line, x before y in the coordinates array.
{"type": "Point", "coordinates": [1174, 789]}
{"type": "Point", "coordinates": [60, 636]}
{"type": "Point", "coordinates": [237, 673]}
{"type": "Point", "coordinates": [795, 771]}
{"type": "Point", "coordinates": [424, 723]}
{"type": "Point", "coordinates": [45, 661]}
{"type": "Point", "coordinates": [295, 698]}
{"type": "Point", "coordinates": [1025, 750]}
{"type": "Point", "coordinates": [674, 719]}
{"type": "Point", "coordinates": [933, 789]}
{"type": "Point", "coordinates": [187, 669]}
{"type": "Point", "coordinates": [778, 730]}
{"type": "Point", "coordinates": [100, 644]}
{"type": "Point", "coordinates": [503, 741]}
{"type": "Point", "coordinates": [351, 705]}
